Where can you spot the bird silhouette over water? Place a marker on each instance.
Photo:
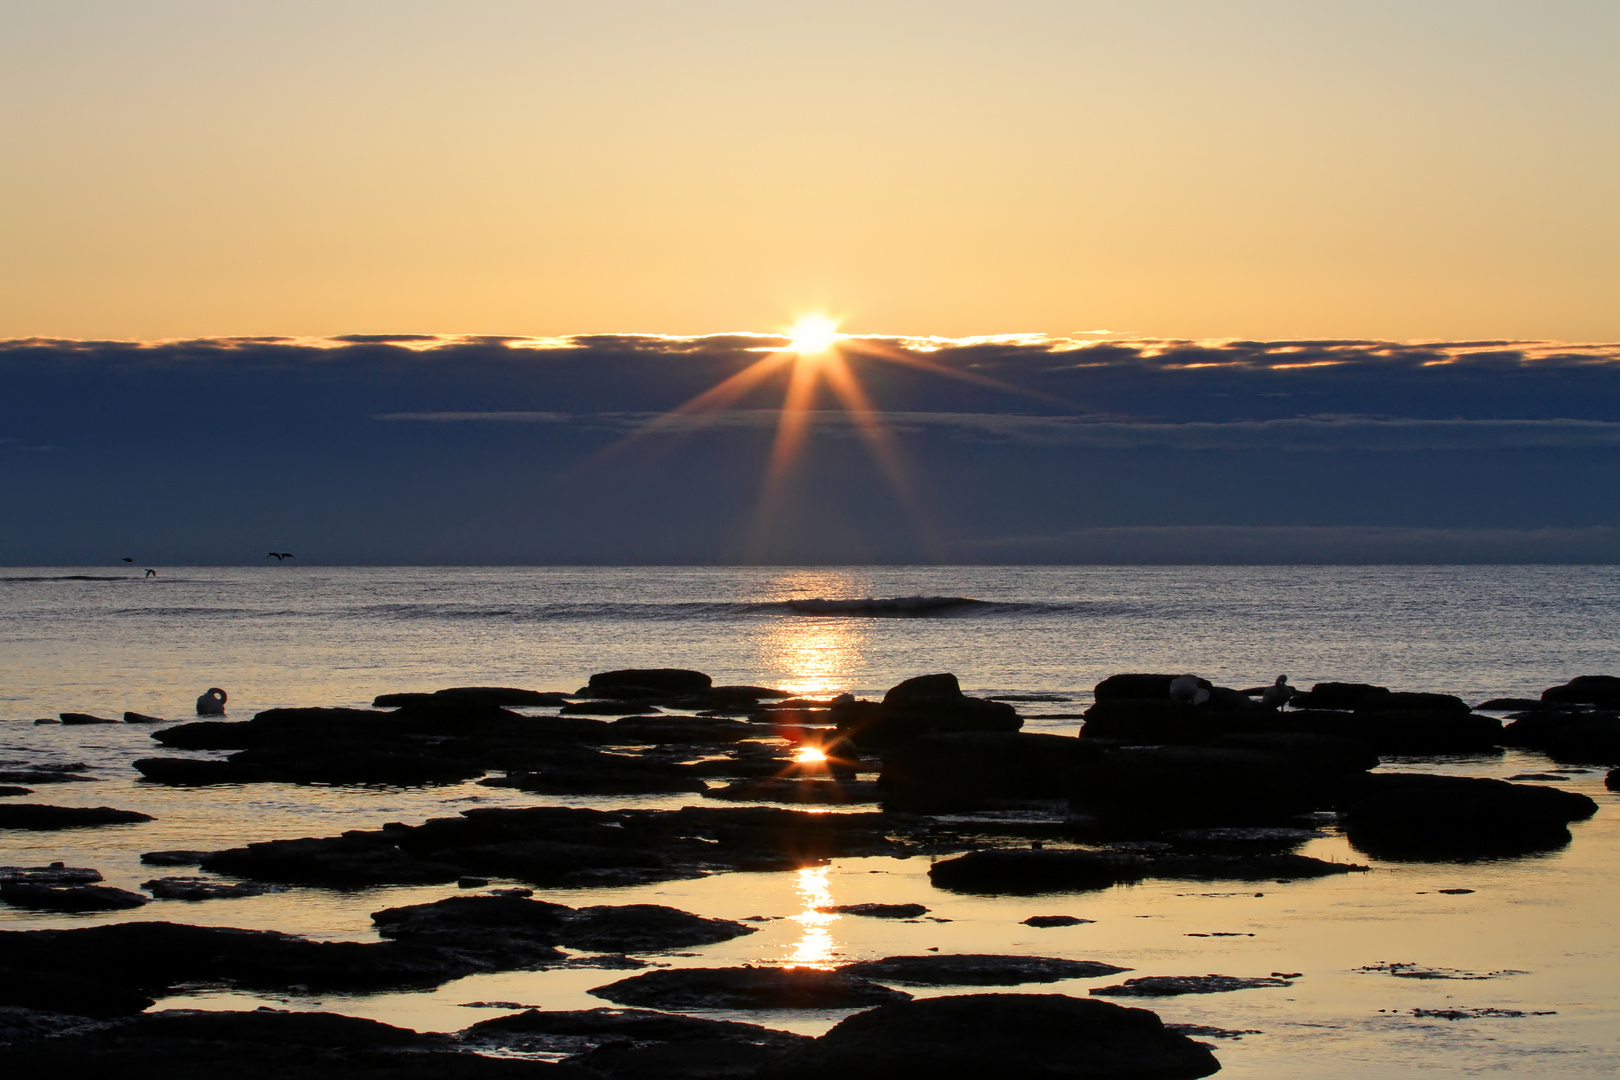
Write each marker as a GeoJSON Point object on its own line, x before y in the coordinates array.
{"type": "Point", "coordinates": [281, 555]}
{"type": "Point", "coordinates": [150, 572]}
{"type": "Point", "coordinates": [128, 559]}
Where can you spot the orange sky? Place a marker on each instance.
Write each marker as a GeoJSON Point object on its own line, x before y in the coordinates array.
{"type": "Point", "coordinates": [1397, 170]}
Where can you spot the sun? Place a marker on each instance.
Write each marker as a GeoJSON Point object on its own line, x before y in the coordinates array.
{"type": "Point", "coordinates": [812, 334]}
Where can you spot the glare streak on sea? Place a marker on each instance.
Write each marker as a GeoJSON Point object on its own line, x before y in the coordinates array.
{"type": "Point", "coordinates": [105, 640]}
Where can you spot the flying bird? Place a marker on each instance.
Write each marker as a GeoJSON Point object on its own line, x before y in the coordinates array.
{"type": "Point", "coordinates": [128, 559]}
{"type": "Point", "coordinates": [150, 572]}
{"type": "Point", "coordinates": [280, 555]}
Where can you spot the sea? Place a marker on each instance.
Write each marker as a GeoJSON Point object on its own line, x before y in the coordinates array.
{"type": "Point", "coordinates": [1519, 958]}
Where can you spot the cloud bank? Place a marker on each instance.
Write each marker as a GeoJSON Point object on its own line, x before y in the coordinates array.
{"type": "Point", "coordinates": [1014, 448]}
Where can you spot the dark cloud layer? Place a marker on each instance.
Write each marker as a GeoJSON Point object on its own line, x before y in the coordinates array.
{"type": "Point", "coordinates": [416, 448]}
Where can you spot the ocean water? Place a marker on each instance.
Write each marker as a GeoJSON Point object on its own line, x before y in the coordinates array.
{"type": "Point", "coordinates": [1545, 928]}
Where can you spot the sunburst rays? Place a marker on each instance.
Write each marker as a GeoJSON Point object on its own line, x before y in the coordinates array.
{"type": "Point", "coordinates": [815, 356]}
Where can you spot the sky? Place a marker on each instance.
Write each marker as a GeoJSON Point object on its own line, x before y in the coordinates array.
{"type": "Point", "coordinates": [1157, 281]}
{"type": "Point", "coordinates": [1394, 169]}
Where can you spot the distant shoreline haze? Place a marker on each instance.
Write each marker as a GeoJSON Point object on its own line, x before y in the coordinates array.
{"type": "Point", "coordinates": [1015, 449]}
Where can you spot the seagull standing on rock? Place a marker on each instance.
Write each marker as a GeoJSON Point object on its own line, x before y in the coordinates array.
{"type": "Point", "coordinates": [1186, 690]}
{"type": "Point", "coordinates": [1278, 693]}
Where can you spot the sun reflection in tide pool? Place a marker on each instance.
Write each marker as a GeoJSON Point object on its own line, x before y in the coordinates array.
{"type": "Point", "coordinates": [815, 947]}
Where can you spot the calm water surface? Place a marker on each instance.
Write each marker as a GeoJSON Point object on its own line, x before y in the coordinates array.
{"type": "Point", "coordinates": [285, 635]}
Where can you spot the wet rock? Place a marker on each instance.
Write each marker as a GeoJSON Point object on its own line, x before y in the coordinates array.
{"type": "Point", "coordinates": [1513, 704]}
{"type": "Point", "coordinates": [345, 862]}
{"type": "Point", "coordinates": [1398, 730]}
{"type": "Point", "coordinates": [25, 1025]}
{"type": "Point", "coordinates": [195, 772]}
{"type": "Point", "coordinates": [1600, 690]}
{"type": "Point", "coordinates": [566, 847]}
{"type": "Point", "coordinates": [999, 1035]}
{"type": "Point", "coordinates": [586, 771]}
{"type": "Point", "coordinates": [634, 1043]}
{"type": "Point", "coordinates": [1612, 781]}
{"type": "Point", "coordinates": [878, 911]}
{"type": "Point", "coordinates": [47, 774]}
{"type": "Point", "coordinates": [1235, 780]}
{"type": "Point", "coordinates": [662, 730]}
{"type": "Point", "coordinates": [488, 696]}
{"type": "Point", "coordinates": [637, 928]}
{"type": "Point", "coordinates": [971, 969]}
{"type": "Point", "coordinates": [40, 818]}
{"type": "Point", "coordinates": [1133, 687]}
{"type": "Point", "coordinates": [1404, 701]}
{"type": "Point", "coordinates": [1029, 872]}
{"type": "Point", "coordinates": [142, 718]}
{"type": "Point", "coordinates": [1173, 985]}
{"type": "Point", "coordinates": [674, 681]}
{"type": "Point", "coordinates": [1568, 733]}
{"type": "Point", "coordinates": [502, 922]}
{"type": "Point", "coordinates": [7, 791]}
{"type": "Point", "coordinates": [54, 874]}
{"type": "Point", "coordinates": [176, 857]}
{"type": "Point", "coordinates": [84, 718]}
{"type": "Point", "coordinates": [1339, 695]}
{"type": "Point", "coordinates": [602, 708]}
{"type": "Point", "coordinates": [927, 704]}
{"type": "Point", "coordinates": [575, 1031]}
{"type": "Point", "coordinates": [138, 960]}
{"type": "Point", "coordinates": [802, 790]}
{"type": "Point", "coordinates": [747, 988]}
{"type": "Point", "coordinates": [964, 771]}
{"type": "Point", "coordinates": [69, 897]}
{"type": "Point", "coordinates": [1014, 871]}
{"type": "Point", "coordinates": [200, 888]}
{"type": "Point", "coordinates": [81, 994]}
{"type": "Point", "coordinates": [1046, 921]}
{"type": "Point", "coordinates": [265, 1044]}
{"type": "Point", "coordinates": [1409, 816]}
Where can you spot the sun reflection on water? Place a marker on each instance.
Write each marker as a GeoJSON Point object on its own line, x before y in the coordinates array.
{"type": "Point", "coordinates": [810, 656]}
{"type": "Point", "coordinates": [816, 946]}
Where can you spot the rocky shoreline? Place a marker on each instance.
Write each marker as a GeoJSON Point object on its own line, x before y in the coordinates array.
{"type": "Point", "coordinates": [1169, 779]}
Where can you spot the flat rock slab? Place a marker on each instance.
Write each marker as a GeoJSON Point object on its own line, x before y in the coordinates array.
{"type": "Point", "coordinates": [69, 897]}
{"type": "Point", "coordinates": [978, 969]}
{"type": "Point", "coordinates": [748, 988]}
{"type": "Point", "coordinates": [12, 791]}
{"type": "Point", "coordinates": [1419, 817]}
{"type": "Point", "coordinates": [201, 888]}
{"type": "Point", "coordinates": [500, 922]}
{"type": "Point", "coordinates": [804, 791]}
{"type": "Point", "coordinates": [1028, 872]}
{"type": "Point", "coordinates": [1046, 1036]}
{"type": "Point", "coordinates": [38, 817]}
{"type": "Point", "coordinates": [177, 857]}
{"type": "Point", "coordinates": [877, 911]}
{"type": "Point", "coordinates": [554, 846]}
{"type": "Point", "coordinates": [1174, 985]}
{"type": "Point", "coordinates": [581, 1030]}
{"type": "Point", "coordinates": [264, 1044]}
{"type": "Point", "coordinates": [54, 874]}
{"type": "Point", "coordinates": [1047, 921]}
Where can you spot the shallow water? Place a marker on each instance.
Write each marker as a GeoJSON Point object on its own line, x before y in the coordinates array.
{"type": "Point", "coordinates": [286, 635]}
